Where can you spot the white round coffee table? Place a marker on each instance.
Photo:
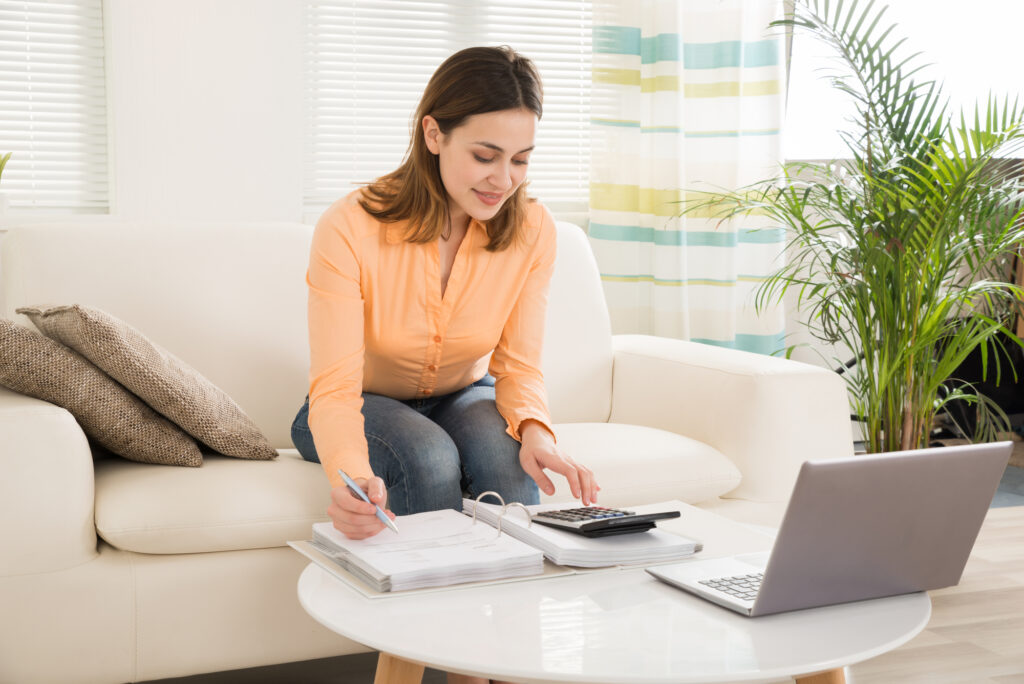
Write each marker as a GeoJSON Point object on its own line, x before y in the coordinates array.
{"type": "Point", "coordinates": [615, 626]}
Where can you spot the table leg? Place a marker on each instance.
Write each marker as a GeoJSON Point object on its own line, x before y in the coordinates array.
{"type": "Point", "coordinates": [836, 676]}
{"type": "Point", "coordinates": [394, 670]}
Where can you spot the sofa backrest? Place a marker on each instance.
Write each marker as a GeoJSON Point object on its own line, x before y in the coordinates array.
{"type": "Point", "coordinates": [230, 300]}
{"type": "Point", "coordinates": [578, 335]}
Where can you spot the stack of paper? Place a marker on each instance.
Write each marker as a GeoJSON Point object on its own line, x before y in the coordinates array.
{"type": "Point", "coordinates": [438, 548]}
{"type": "Point", "coordinates": [568, 548]}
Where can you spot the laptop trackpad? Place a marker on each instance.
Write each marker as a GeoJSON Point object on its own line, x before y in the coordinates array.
{"type": "Point", "coordinates": [759, 560]}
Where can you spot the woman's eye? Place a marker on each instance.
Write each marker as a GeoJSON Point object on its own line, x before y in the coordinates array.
{"type": "Point", "coordinates": [521, 162]}
{"type": "Point", "coordinates": [483, 160]}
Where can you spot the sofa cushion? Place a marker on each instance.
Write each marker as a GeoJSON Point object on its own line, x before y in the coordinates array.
{"type": "Point", "coordinates": [170, 386]}
{"type": "Point", "coordinates": [39, 367]}
{"type": "Point", "coordinates": [636, 465]}
{"type": "Point", "coordinates": [226, 505]}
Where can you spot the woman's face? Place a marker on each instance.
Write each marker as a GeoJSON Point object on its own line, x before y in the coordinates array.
{"type": "Point", "coordinates": [482, 161]}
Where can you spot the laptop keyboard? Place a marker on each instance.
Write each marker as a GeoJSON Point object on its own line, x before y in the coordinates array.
{"type": "Point", "coordinates": [743, 587]}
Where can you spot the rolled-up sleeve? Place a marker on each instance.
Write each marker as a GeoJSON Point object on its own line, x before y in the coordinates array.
{"type": "Point", "coordinates": [336, 348]}
{"type": "Point", "coordinates": [516, 362]}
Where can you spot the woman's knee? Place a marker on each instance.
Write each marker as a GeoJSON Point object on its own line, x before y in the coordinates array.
{"type": "Point", "coordinates": [302, 436]}
{"type": "Point", "coordinates": [421, 470]}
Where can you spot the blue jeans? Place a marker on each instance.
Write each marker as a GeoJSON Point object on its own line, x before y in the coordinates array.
{"type": "Point", "coordinates": [431, 451]}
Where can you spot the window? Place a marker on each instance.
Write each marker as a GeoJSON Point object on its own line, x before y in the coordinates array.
{"type": "Point", "coordinates": [973, 50]}
{"type": "Point", "coordinates": [369, 60]}
{"type": "Point", "coordinates": [53, 105]}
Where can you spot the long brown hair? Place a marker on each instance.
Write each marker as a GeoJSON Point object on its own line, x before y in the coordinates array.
{"type": "Point", "coordinates": [476, 80]}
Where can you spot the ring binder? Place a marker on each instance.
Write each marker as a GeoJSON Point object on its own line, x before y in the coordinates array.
{"type": "Point", "coordinates": [504, 507]}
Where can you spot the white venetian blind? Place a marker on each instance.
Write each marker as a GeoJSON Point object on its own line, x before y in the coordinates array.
{"type": "Point", "coordinates": [369, 60]}
{"type": "Point", "coordinates": [53, 105]}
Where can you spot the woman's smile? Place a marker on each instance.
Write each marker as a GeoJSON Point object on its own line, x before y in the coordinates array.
{"type": "Point", "coordinates": [490, 198]}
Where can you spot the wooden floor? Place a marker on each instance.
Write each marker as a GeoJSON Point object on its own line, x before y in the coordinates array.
{"type": "Point", "coordinates": [976, 634]}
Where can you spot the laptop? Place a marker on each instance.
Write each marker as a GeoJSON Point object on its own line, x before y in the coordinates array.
{"type": "Point", "coordinates": [859, 528]}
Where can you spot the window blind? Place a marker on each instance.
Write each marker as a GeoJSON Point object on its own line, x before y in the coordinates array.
{"type": "Point", "coordinates": [368, 61]}
{"type": "Point", "coordinates": [53, 105]}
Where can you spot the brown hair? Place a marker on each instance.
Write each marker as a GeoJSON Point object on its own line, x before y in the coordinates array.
{"type": "Point", "coordinates": [476, 80]}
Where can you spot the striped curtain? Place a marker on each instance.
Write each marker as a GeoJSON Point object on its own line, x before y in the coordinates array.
{"type": "Point", "coordinates": [688, 95]}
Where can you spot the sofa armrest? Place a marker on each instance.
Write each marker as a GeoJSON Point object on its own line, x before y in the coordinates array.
{"type": "Point", "coordinates": [768, 415]}
{"type": "Point", "coordinates": [46, 488]}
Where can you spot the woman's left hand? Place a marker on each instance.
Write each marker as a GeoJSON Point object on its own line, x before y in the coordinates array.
{"type": "Point", "coordinates": [539, 452]}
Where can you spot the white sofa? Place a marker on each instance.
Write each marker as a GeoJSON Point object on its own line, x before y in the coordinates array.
{"type": "Point", "coordinates": [113, 571]}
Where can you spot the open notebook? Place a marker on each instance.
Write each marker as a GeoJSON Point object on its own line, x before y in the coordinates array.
{"type": "Point", "coordinates": [448, 548]}
{"type": "Point", "coordinates": [437, 548]}
{"type": "Point", "coordinates": [566, 548]}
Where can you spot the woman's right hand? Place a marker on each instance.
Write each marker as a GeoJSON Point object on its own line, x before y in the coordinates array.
{"type": "Point", "coordinates": [352, 516]}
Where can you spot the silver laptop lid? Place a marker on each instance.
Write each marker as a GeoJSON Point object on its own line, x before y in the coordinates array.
{"type": "Point", "coordinates": [880, 524]}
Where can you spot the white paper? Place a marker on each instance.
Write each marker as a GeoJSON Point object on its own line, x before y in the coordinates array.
{"type": "Point", "coordinates": [431, 549]}
{"type": "Point", "coordinates": [568, 548]}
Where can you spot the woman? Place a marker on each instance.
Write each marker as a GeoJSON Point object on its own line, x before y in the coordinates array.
{"type": "Point", "coordinates": [414, 281]}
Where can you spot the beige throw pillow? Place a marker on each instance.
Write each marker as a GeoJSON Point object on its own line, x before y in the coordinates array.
{"type": "Point", "coordinates": [39, 367]}
{"type": "Point", "coordinates": [171, 387]}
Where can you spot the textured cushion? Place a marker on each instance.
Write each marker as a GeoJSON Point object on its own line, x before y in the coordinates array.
{"type": "Point", "coordinates": [223, 506]}
{"type": "Point", "coordinates": [170, 386]}
{"type": "Point", "coordinates": [39, 367]}
{"type": "Point", "coordinates": [637, 465]}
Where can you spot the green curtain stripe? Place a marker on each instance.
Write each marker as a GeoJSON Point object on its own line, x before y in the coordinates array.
{"type": "Point", "coordinates": [669, 282]}
{"type": "Point", "coordinates": [759, 344]}
{"type": "Point", "coordinates": [666, 282]}
{"type": "Point", "coordinates": [616, 40]}
{"type": "Point", "coordinates": [623, 123]}
{"type": "Point", "coordinates": [668, 47]}
{"type": "Point", "coordinates": [615, 122]}
{"type": "Point", "coordinates": [659, 202]}
{"type": "Point", "coordinates": [720, 134]}
{"type": "Point", "coordinates": [678, 238]}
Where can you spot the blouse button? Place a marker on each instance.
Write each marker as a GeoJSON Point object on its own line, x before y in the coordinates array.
{"type": "Point", "coordinates": [437, 338]}
{"type": "Point", "coordinates": [428, 392]}
{"type": "Point", "coordinates": [431, 368]}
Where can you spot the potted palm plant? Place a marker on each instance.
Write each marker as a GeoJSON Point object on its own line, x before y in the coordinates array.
{"type": "Point", "coordinates": [898, 252]}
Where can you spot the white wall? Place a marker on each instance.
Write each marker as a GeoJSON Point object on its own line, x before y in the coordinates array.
{"type": "Point", "coordinates": [206, 111]}
{"type": "Point", "coordinates": [205, 108]}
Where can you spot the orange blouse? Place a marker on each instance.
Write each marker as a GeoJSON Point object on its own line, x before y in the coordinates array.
{"type": "Point", "coordinates": [378, 323]}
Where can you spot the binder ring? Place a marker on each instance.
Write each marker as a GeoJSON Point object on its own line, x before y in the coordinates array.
{"type": "Point", "coordinates": [497, 496]}
{"type": "Point", "coordinates": [504, 508]}
{"type": "Point", "coordinates": [529, 518]}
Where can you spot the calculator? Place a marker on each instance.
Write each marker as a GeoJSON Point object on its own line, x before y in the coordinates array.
{"type": "Point", "coordinates": [598, 521]}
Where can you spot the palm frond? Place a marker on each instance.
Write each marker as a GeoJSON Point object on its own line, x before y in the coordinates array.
{"type": "Point", "coordinates": [899, 253]}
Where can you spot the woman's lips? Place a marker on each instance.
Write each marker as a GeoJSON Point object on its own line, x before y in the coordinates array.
{"type": "Point", "coordinates": [489, 198]}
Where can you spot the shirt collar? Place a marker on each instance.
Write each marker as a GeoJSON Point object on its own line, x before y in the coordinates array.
{"type": "Point", "coordinates": [395, 232]}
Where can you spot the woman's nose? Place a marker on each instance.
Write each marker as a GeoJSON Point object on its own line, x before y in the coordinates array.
{"type": "Point", "coordinates": [502, 177]}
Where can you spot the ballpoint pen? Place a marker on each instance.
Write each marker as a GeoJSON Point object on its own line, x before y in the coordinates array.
{"type": "Point", "coordinates": [355, 489]}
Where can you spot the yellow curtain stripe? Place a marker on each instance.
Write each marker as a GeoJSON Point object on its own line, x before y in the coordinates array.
{"type": "Point", "coordinates": [660, 84]}
{"type": "Point", "coordinates": [657, 84]}
{"type": "Point", "coordinates": [626, 77]}
{"type": "Point", "coordinates": [655, 201]}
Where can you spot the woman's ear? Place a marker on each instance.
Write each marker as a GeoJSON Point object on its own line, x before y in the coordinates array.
{"type": "Point", "coordinates": [432, 134]}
